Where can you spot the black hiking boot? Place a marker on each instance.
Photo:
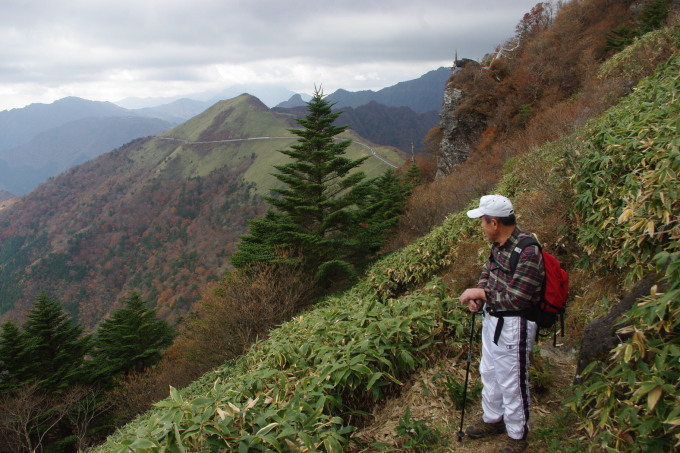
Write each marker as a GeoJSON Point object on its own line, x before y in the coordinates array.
{"type": "Point", "coordinates": [515, 446]}
{"type": "Point", "coordinates": [483, 429]}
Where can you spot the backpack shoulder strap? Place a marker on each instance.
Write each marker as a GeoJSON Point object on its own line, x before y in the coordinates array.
{"type": "Point", "coordinates": [521, 245]}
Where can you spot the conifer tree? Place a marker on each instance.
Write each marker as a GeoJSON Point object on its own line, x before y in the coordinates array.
{"type": "Point", "coordinates": [54, 348]}
{"type": "Point", "coordinates": [316, 209]}
{"type": "Point", "coordinates": [130, 340]}
{"type": "Point", "coordinates": [380, 209]}
{"type": "Point", "coordinates": [413, 177]}
{"type": "Point", "coordinates": [12, 355]}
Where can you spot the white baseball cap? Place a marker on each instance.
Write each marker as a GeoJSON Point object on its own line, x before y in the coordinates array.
{"type": "Point", "coordinates": [492, 205]}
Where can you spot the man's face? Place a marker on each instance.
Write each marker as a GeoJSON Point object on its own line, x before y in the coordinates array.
{"type": "Point", "coordinates": [490, 228]}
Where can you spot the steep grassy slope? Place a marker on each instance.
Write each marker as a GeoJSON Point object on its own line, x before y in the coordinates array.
{"type": "Point", "coordinates": [626, 210]}
{"type": "Point", "coordinates": [301, 388]}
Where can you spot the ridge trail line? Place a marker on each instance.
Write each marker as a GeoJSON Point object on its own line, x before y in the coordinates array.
{"type": "Point", "coordinates": [188, 142]}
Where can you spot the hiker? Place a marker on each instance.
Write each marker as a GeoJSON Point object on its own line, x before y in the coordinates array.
{"type": "Point", "coordinates": [507, 336]}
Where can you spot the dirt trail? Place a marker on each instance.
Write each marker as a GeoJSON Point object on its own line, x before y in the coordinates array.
{"type": "Point", "coordinates": [427, 397]}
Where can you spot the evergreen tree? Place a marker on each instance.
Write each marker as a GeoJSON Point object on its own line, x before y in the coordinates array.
{"type": "Point", "coordinates": [12, 353]}
{"type": "Point", "coordinates": [268, 241]}
{"type": "Point", "coordinates": [654, 15]}
{"type": "Point", "coordinates": [316, 210]}
{"type": "Point", "coordinates": [130, 340]}
{"type": "Point", "coordinates": [380, 209]}
{"type": "Point", "coordinates": [413, 177]}
{"type": "Point", "coordinates": [54, 348]}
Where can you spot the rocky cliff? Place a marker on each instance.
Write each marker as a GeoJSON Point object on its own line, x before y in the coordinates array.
{"type": "Point", "coordinates": [459, 130]}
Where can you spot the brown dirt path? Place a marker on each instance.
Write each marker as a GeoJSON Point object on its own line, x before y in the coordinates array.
{"type": "Point", "coordinates": [427, 399]}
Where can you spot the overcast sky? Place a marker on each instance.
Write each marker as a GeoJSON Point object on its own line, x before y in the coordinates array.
{"type": "Point", "coordinates": [107, 50]}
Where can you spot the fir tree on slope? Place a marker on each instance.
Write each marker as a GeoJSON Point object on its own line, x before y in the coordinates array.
{"type": "Point", "coordinates": [414, 176]}
{"type": "Point", "coordinates": [130, 340]}
{"type": "Point", "coordinates": [52, 348]}
{"type": "Point", "coordinates": [320, 210]}
{"type": "Point", "coordinates": [380, 209]}
{"type": "Point", "coordinates": [11, 355]}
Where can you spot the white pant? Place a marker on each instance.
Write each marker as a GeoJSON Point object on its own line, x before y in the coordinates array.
{"type": "Point", "coordinates": [504, 369]}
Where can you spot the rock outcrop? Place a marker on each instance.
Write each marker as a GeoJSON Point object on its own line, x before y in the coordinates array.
{"type": "Point", "coordinates": [600, 336]}
{"type": "Point", "coordinates": [458, 130]}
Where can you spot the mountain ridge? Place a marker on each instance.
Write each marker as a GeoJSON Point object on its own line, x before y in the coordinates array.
{"type": "Point", "coordinates": [19, 125]}
{"type": "Point", "coordinates": [26, 131]}
{"type": "Point", "coordinates": [31, 165]}
{"type": "Point", "coordinates": [160, 215]}
{"type": "Point", "coordinates": [423, 94]}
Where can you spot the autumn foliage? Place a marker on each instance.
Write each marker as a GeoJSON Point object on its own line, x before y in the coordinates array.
{"type": "Point", "coordinates": [537, 86]}
{"type": "Point", "coordinates": [113, 227]}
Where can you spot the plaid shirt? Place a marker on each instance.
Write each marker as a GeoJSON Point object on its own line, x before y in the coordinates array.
{"type": "Point", "coordinates": [518, 291]}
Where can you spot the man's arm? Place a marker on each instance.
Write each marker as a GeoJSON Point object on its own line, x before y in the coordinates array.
{"type": "Point", "coordinates": [484, 278]}
{"type": "Point", "coordinates": [475, 297]}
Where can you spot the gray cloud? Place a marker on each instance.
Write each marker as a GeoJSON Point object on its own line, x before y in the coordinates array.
{"type": "Point", "coordinates": [110, 49]}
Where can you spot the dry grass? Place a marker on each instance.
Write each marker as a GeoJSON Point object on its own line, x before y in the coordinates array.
{"type": "Point", "coordinates": [430, 203]}
{"type": "Point", "coordinates": [242, 308]}
{"type": "Point", "coordinates": [427, 398]}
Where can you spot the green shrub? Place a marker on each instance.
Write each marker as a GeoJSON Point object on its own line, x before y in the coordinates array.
{"type": "Point", "coordinates": [632, 402]}
{"type": "Point", "coordinates": [540, 372]}
{"type": "Point", "coordinates": [297, 389]}
{"type": "Point", "coordinates": [626, 180]}
{"type": "Point", "coordinates": [419, 437]}
{"type": "Point", "coordinates": [455, 390]}
{"type": "Point", "coordinates": [626, 211]}
{"type": "Point", "coordinates": [420, 261]}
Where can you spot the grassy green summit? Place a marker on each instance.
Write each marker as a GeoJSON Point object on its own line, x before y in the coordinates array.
{"type": "Point", "coordinates": [232, 132]}
{"type": "Point", "coordinates": [244, 116]}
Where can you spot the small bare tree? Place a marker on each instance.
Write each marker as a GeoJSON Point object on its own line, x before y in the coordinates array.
{"type": "Point", "coordinates": [85, 405]}
{"type": "Point", "coordinates": [244, 306]}
{"type": "Point", "coordinates": [27, 415]}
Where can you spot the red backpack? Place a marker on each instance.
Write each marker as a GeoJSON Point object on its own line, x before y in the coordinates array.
{"type": "Point", "coordinates": [555, 287]}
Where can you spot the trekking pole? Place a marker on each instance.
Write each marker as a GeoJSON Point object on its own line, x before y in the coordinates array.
{"type": "Point", "coordinates": [461, 434]}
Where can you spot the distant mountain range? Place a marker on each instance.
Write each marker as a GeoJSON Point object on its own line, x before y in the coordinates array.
{"type": "Point", "coordinates": [269, 94]}
{"type": "Point", "coordinates": [424, 94]}
{"type": "Point", "coordinates": [56, 150]}
{"type": "Point", "coordinates": [41, 140]}
{"type": "Point", "coordinates": [400, 127]}
{"type": "Point", "coordinates": [399, 116]}
{"type": "Point", "coordinates": [421, 95]}
{"type": "Point", "coordinates": [160, 215]}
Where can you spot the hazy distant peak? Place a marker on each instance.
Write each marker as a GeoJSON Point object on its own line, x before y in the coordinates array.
{"type": "Point", "coordinates": [295, 100]}
{"type": "Point", "coordinates": [423, 94]}
{"type": "Point", "coordinates": [5, 195]}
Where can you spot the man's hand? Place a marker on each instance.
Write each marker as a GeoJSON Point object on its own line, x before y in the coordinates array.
{"type": "Point", "coordinates": [474, 298]}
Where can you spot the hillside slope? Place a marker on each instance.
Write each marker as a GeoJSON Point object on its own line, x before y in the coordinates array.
{"type": "Point", "coordinates": [41, 140]}
{"type": "Point", "coordinates": [302, 387]}
{"type": "Point", "coordinates": [24, 167]}
{"type": "Point", "coordinates": [159, 215]}
{"type": "Point", "coordinates": [18, 126]}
